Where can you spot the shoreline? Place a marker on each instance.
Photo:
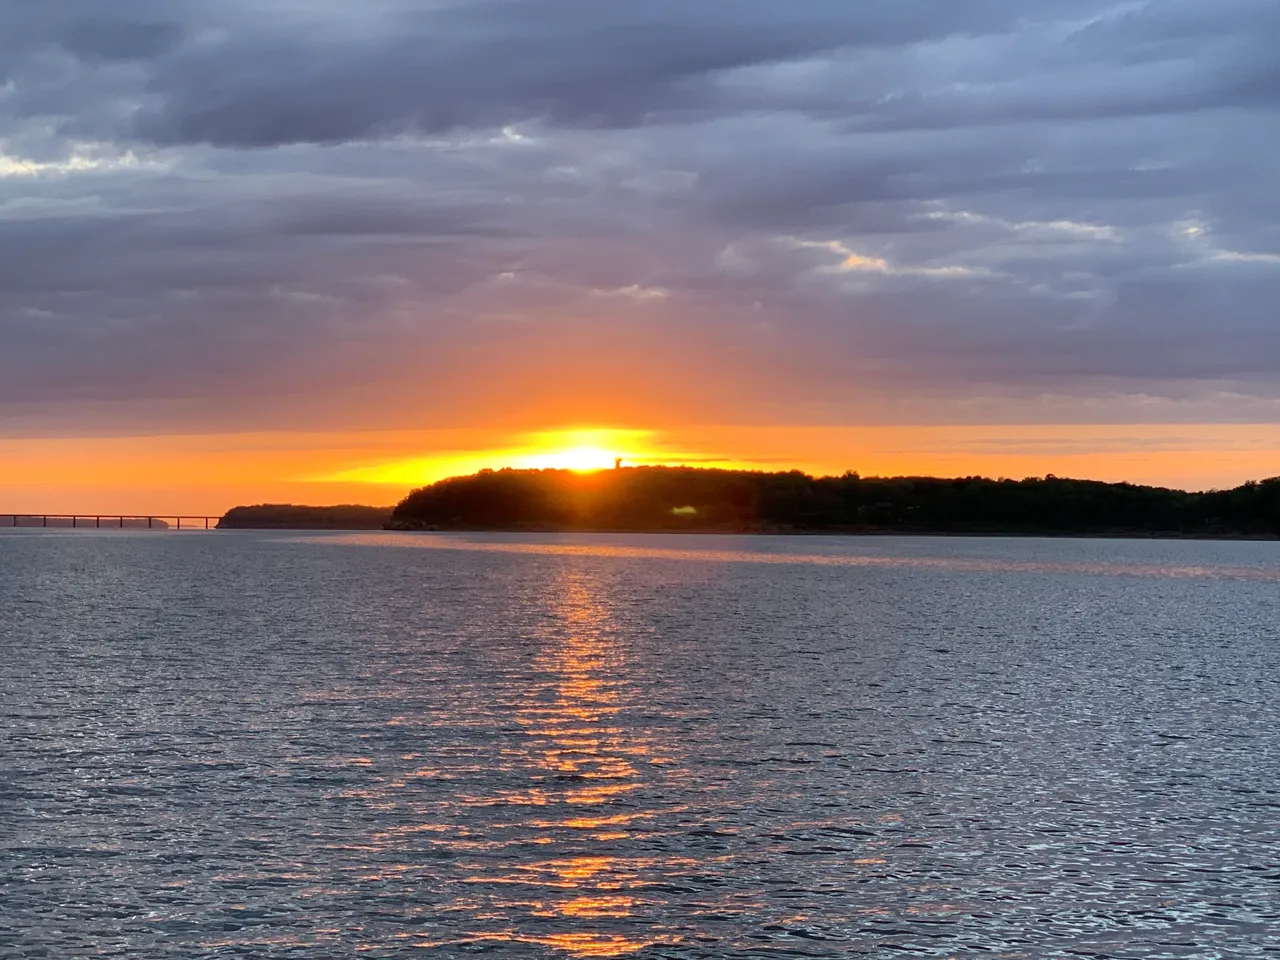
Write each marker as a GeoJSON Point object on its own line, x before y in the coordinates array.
{"type": "Point", "coordinates": [949, 534]}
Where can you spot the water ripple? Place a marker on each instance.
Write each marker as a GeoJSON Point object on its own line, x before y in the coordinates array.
{"type": "Point", "coordinates": [248, 746]}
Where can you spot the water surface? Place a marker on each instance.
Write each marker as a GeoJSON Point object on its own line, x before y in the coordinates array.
{"type": "Point", "coordinates": [397, 745]}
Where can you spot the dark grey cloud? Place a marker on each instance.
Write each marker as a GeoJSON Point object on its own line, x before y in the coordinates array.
{"type": "Point", "coordinates": [205, 201]}
{"type": "Point", "coordinates": [493, 62]}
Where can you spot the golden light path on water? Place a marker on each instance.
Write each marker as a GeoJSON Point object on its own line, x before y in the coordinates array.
{"type": "Point", "coordinates": [567, 766]}
{"type": "Point", "coordinates": [580, 761]}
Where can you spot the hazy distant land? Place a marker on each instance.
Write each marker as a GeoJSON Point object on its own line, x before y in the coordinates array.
{"type": "Point", "coordinates": [288, 516]}
{"type": "Point", "coordinates": [671, 499]}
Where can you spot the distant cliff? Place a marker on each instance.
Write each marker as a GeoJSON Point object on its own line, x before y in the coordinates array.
{"type": "Point", "coordinates": [287, 516]}
{"type": "Point", "coordinates": [680, 498]}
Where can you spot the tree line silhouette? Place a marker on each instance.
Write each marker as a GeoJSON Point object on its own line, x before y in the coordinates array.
{"type": "Point", "coordinates": [686, 498]}
{"type": "Point", "coordinates": [288, 516]}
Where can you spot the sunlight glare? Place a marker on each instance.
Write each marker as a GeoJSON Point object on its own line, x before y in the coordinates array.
{"type": "Point", "coordinates": [583, 450]}
{"type": "Point", "coordinates": [582, 459]}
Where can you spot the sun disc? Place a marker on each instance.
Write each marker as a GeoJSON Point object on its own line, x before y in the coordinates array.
{"type": "Point", "coordinates": [581, 458]}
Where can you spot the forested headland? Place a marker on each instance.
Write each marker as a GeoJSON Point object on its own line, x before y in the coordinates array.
{"type": "Point", "coordinates": [692, 499]}
{"type": "Point", "coordinates": [288, 516]}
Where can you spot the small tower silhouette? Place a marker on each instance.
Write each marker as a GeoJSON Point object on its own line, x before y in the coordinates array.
{"type": "Point", "coordinates": [617, 463]}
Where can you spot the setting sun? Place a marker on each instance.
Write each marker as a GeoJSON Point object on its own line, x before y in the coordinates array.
{"type": "Point", "coordinates": [582, 459]}
{"type": "Point", "coordinates": [582, 450]}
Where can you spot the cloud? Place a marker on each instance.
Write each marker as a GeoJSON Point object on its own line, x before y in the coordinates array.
{"type": "Point", "coordinates": [849, 261]}
{"type": "Point", "coordinates": [434, 67]}
{"type": "Point", "coordinates": [1239, 256]}
{"type": "Point", "coordinates": [1043, 229]}
{"type": "Point", "coordinates": [252, 208]}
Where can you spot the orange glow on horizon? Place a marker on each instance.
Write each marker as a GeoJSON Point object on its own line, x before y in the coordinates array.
{"type": "Point", "coordinates": [208, 474]}
{"type": "Point", "coordinates": [580, 450]}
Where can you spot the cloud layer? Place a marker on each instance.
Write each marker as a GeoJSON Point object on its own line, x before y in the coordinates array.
{"type": "Point", "coordinates": [817, 211]}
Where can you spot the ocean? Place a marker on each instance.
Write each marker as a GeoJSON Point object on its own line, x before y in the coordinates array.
{"type": "Point", "coordinates": [244, 744]}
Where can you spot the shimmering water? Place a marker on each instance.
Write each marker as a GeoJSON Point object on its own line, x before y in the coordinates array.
{"type": "Point", "coordinates": [260, 745]}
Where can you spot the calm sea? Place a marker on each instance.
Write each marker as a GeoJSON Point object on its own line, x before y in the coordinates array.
{"type": "Point", "coordinates": [397, 745]}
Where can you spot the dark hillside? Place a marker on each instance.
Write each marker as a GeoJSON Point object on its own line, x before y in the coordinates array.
{"type": "Point", "coordinates": [287, 516]}
{"type": "Point", "coordinates": [682, 498]}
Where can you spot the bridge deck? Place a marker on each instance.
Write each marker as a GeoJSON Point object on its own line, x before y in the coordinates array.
{"type": "Point", "coordinates": [106, 521]}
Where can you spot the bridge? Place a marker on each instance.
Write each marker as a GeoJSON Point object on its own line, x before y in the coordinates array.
{"type": "Point", "coordinates": [105, 521]}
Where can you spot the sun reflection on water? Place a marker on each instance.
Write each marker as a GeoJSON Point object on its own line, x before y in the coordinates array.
{"type": "Point", "coordinates": [581, 773]}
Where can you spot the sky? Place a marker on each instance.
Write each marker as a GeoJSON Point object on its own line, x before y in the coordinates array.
{"type": "Point", "coordinates": [324, 251]}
